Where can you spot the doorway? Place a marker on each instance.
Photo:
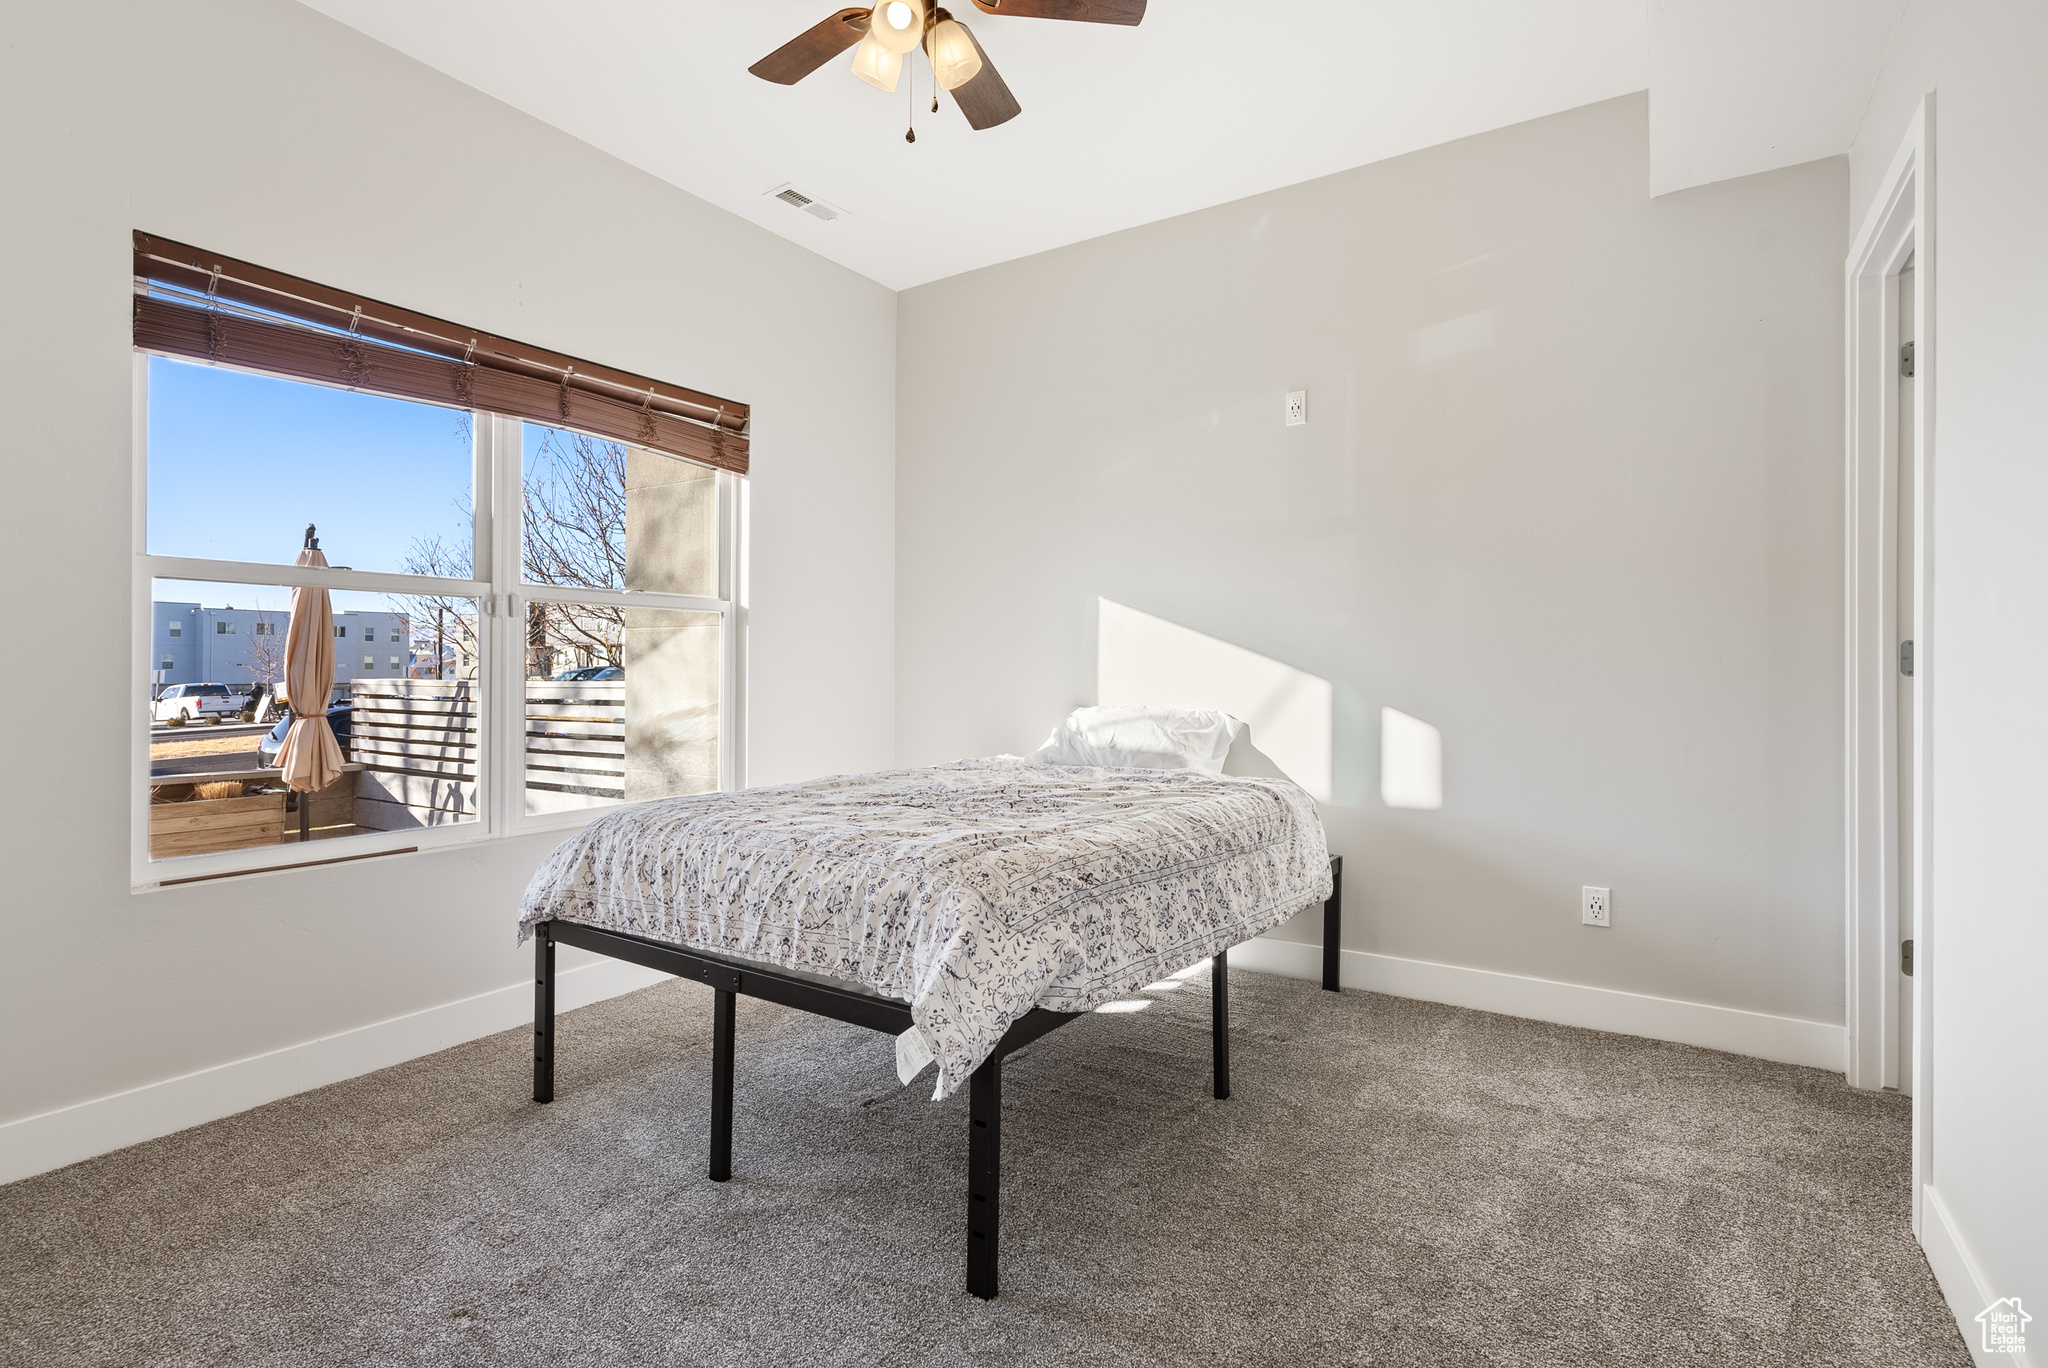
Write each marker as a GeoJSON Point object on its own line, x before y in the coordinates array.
{"type": "Point", "coordinates": [1905, 601]}
{"type": "Point", "coordinates": [1890, 489]}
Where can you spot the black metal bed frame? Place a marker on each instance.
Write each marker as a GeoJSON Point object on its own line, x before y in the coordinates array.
{"type": "Point", "coordinates": [730, 979]}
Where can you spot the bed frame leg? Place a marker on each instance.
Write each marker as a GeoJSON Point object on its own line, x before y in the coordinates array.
{"type": "Point", "coordinates": [1219, 1020]}
{"type": "Point", "coordinates": [543, 1014]}
{"type": "Point", "coordinates": [984, 1176]}
{"type": "Point", "coordinates": [1333, 923]}
{"type": "Point", "coordinates": [721, 1084]}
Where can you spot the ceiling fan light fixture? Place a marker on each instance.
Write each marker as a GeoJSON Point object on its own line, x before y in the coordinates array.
{"type": "Point", "coordinates": [955, 59]}
{"type": "Point", "coordinates": [876, 65]}
{"type": "Point", "coordinates": [897, 25]}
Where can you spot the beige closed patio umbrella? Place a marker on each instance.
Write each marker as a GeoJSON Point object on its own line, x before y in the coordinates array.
{"type": "Point", "coordinates": [311, 758]}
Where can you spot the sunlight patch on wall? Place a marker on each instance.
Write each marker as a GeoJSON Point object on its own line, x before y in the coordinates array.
{"type": "Point", "coordinates": [1147, 660]}
{"type": "Point", "coordinates": [1411, 762]}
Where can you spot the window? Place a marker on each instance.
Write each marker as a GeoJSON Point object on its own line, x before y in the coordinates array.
{"type": "Point", "coordinates": [503, 547]}
{"type": "Point", "coordinates": [176, 627]}
{"type": "Point", "coordinates": [168, 664]}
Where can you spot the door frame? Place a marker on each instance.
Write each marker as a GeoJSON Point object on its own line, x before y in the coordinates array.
{"type": "Point", "coordinates": [1899, 226]}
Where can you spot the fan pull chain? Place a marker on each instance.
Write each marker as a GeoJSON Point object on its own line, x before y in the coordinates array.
{"type": "Point", "coordinates": [909, 100]}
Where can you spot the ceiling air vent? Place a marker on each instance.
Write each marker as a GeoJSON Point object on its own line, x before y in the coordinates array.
{"type": "Point", "coordinates": [810, 204]}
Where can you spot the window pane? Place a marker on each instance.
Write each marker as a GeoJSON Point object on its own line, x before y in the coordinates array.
{"type": "Point", "coordinates": [408, 732]}
{"type": "Point", "coordinates": [240, 463]}
{"type": "Point", "coordinates": [605, 515]}
{"type": "Point", "coordinates": [622, 705]}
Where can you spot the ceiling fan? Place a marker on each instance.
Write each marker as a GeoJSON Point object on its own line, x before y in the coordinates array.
{"type": "Point", "coordinates": [892, 29]}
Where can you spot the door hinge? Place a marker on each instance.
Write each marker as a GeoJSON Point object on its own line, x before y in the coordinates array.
{"type": "Point", "coordinates": [1906, 359]}
{"type": "Point", "coordinates": [1906, 958]}
{"type": "Point", "coordinates": [1906, 659]}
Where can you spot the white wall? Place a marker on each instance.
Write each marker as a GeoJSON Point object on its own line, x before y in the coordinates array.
{"type": "Point", "coordinates": [270, 133]}
{"type": "Point", "coordinates": [1569, 491]}
{"type": "Point", "coordinates": [1986, 659]}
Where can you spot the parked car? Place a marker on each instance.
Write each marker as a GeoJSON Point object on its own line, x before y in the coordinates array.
{"type": "Point", "coordinates": [608, 672]}
{"type": "Point", "coordinates": [340, 717]}
{"type": "Point", "coordinates": [192, 702]}
{"type": "Point", "coordinates": [572, 676]}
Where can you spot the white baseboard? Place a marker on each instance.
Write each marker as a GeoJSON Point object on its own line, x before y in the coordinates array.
{"type": "Point", "coordinates": [36, 1144]}
{"type": "Point", "coordinates": [1962, 1282]}
{"type": "Point", "coordinates": [1787, 1040]}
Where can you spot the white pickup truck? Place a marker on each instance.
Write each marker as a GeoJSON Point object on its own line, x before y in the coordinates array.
{"type": "Point", "coordinates": [193, 702]}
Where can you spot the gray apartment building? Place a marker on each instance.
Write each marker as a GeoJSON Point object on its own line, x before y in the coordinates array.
{"type": "Point", "coordinates": [241, 647]}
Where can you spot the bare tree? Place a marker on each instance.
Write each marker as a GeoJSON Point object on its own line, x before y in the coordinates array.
{"type": "Point", "coordinates": [445, 626]}
{"type": "Point", "coordinates": [436, 649]}
{"type": "Point", "coordinates": [441, 630]}
{"type": "Point", "coordinates": [574, 526]}
{"type": "Point", "coordinates": [575, 537]}
{"type": "Point", "coordinates": [559, 635]}
{"type": "Point", "coordinates": [263, 658]}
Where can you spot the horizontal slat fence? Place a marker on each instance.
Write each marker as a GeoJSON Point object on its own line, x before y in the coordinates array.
{"type": "Point", "coordinates": [575, 744]}
{"type": "Point", "coordinates": [417, 741]}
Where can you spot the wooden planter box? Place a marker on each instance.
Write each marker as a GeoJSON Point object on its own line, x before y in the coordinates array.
{"type": "Point", "coordinates": [208, 824]}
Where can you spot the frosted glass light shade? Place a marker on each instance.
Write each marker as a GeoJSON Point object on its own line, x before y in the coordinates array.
{"type": "Point", "coordinates": [876, 65]}
{"type": "Point", "coordinates": [953, 54]}
{"type": "Point", "coordinates": [897, 25]}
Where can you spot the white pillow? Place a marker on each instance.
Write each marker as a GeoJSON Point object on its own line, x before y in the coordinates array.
{"type": "Point", "coordinates": [1141, 738]}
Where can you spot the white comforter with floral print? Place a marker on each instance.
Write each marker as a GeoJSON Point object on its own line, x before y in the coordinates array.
{"type": "Point", "coordinates": [973, 891]}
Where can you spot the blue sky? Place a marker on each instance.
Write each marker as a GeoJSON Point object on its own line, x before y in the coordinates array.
{"type": "Point", "coordinates": [240, 463]}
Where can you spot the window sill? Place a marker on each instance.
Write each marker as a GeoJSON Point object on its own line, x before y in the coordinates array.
{"type": "Point", "coordinates": [266, 860]}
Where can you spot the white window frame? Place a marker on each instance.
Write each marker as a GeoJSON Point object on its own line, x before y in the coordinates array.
{"type": "Point", "coordinates": [501, 595]}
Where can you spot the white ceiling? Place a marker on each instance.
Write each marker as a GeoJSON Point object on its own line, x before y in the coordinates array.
{"type": "Point", "coordinates": [1203, 103]}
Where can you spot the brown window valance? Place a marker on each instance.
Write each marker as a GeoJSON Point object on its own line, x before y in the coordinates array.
{"type": "Point", "coordinates": [209, 307]}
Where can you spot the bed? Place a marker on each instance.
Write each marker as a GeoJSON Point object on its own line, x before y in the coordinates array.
{"type": "Point", "coordinates": [965, 909]}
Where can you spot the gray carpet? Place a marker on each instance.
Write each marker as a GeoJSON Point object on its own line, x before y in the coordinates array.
{"type": "Point", "coordinates": [1393, 1183]}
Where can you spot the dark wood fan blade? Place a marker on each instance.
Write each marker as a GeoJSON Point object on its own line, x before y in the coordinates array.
{"type": "Point", "coordinates": [985, 100]}
{"type": "Point", "coordinates": [1087, 11]}
{"type": "Point", "coordinates": [812, 48]}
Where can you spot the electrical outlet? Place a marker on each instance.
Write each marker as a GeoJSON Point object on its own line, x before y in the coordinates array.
{"type": "Point", "coordinates": [1595, 907]}
{"type": "Point", "coordinates": [1297, 407]}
